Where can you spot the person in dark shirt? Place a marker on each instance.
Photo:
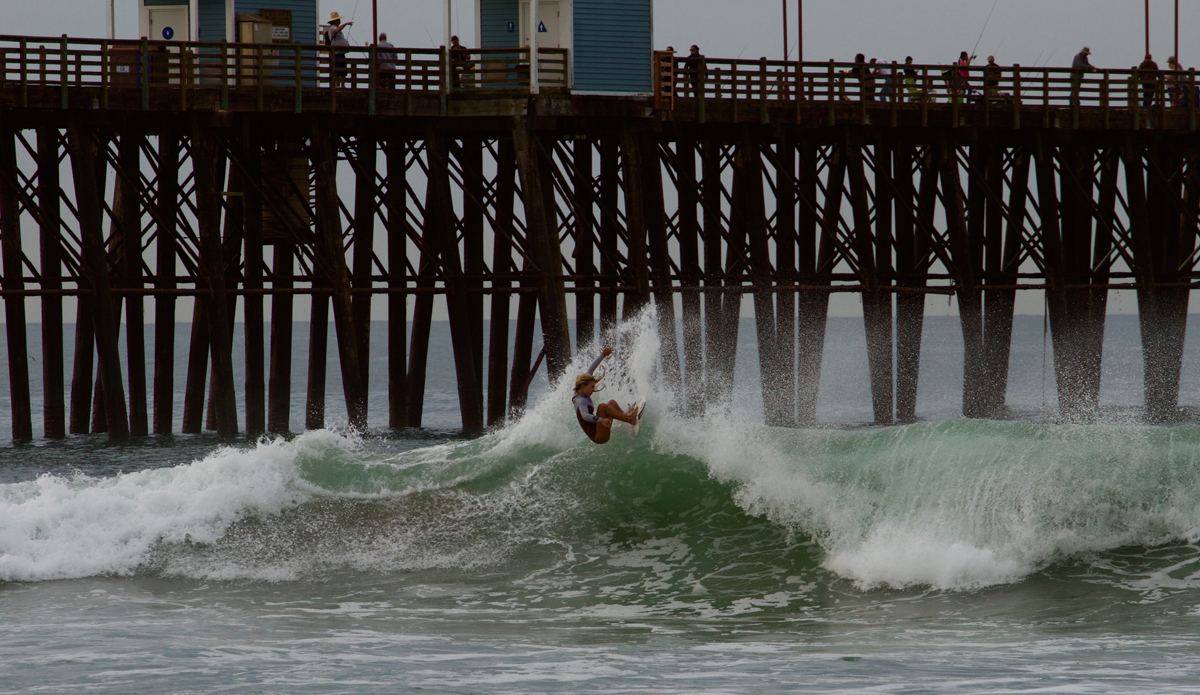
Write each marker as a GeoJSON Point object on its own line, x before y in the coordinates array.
{"type": "Point", "coordinates": [1081, 61]}
{"type": "Point", "coordinates": [991, 78]}
{"type": "Point", "coordinates": [910, 80]}
{"type": "Point", "coordinates": [1148, 73]}
{"type": "Point", "coordinates": [385, 62]}
{"type": "Point", "coordinates": [866, 80]}
{"type": "Point", "coordinates": [460, 59]}
{"type": "Point", "coordinates": [692, 66]}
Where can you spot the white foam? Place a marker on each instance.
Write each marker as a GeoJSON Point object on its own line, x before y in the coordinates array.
{"type": "Point", "coordinates": [59, 527]}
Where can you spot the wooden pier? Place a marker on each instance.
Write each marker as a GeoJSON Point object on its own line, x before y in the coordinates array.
{"type": "Point", "coordinates": [138, 171]}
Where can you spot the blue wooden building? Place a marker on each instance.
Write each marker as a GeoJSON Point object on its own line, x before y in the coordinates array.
{"type": "Point", "coordinates": [293, 21]}
{"type": "Point", "coordinates": [610, 42]}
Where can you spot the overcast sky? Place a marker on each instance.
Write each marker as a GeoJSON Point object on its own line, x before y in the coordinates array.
{"type": "Point", "coordinates": [1029, 32]}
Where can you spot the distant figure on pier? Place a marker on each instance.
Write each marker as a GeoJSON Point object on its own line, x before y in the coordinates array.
{"type": "Point", "coordinates": [866, 81]}
{"type": "Point", "coordinates": [1171, 83]}
{"type": "Point", "coordinates": [1081, 61]}
{"type": "Point", "coordinates": [335, 36]}
{"type": "Point", "coordinates": [460, 60]}
{"type": "Point", "coordinates": [692, 65]}
{"type": "Point", "coordinates": [597, 421]}
{"type": "Point", "coordinates": [915, 92]}
{"type": "Point", "coordinates": [1148, 74]}
{"type": "Point", "coordinates": [991, 78]}
{"type": "Point", "coordinates": [964, 71]}
{"type": "Point", "coordinates": [385, 60]}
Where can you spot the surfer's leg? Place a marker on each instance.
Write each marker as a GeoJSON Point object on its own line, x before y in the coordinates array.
{"type": "Point", "coordinates": [603, 434]}
{"type": "Point", "coordinates": [613, 410]}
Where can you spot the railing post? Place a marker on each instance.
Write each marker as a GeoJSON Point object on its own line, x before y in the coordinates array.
{"type": "Point", "coordinates": [408, 80]}
{"type": "Point", "coordinates": [1016, 96]}
{"type": "Point", "coordinates": [1135, 98]}
{"type": "Point", "coordinates": [144, 56]}
{"type": "Point", "coordinates": [701, 85]}
{"type": "Point", "coordinates": [444, 77]}
{"type": "Point", "coordinates": [62, 68]}
{"type": "Point", "coordinates": [1076, 96]}
{"type": "Point", "coordinates": [1045, 98]}
{"type": "Point", "coordinates": [926, 95]}
{"type": "Point", "coordinates": [373, 78]}
{"type": "Point", "coordinates": [762, 90]}
{"type": "Point", "coordinates": [224, 75]}
{"type": "Point", "coordinates": [258, 78]}
{"type": "Point", "coordinates": [829, 94]}
{"type": "Point", "coordinates": [333, 78]}
{"type": "Point", "coordinates": [1191, 98]}
{"type": "Point", "coordinates": [296, 76]}
{"type": "Point", "coordinates": [105, 77]}
{"type": "Point", "coordinates": [24, 73]}
{"type": "Point", "coordinates": [1105, 97]}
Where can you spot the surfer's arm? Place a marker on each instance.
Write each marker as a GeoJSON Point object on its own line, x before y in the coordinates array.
{"type": "Point", "coordinates": [604, 353]}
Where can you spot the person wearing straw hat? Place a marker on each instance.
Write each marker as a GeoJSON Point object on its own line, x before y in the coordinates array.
{"type": "Point", "coordinates": [597, 421]}
{"type": "Point", "coordinates": [1082, 62]}
{"type": "Point", "coordinates": [335, 36]}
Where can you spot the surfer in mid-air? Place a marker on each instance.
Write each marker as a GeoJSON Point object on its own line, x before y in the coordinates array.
{"type": "Point", "coordinates": [597, 421]}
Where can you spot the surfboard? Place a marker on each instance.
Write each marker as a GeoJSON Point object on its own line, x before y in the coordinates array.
{"type": "Point", "coordinates": [640, 405]}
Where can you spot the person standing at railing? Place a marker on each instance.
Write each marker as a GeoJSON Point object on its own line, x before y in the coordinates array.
{"type": "Point", "coordinates": [1081, 61]}
{"type": "Point", "coordinates": [866, 81]}
{"type": "Point", "coordinates": [915, 93]}
{"type": "Point", "coordinates": [335, 36]}
{"type": "Point", "coordinates": [385, 62]}
{"type": "Point", "coordinates": [1148, 74]}
{"type": "Point", "coordinates": [1171, 83]}
{"type": "Point", "coordinates": [991, 79]}
{"type": "Point", "coordinates": [693, 64]}
{"type": "Point", "coordinates": [460, 60]}
{"type": "Point", "coordinates": [964, 71]}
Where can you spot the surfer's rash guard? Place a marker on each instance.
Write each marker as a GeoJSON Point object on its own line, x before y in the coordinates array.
{"type": "Point", "coordinates": [583, 405]}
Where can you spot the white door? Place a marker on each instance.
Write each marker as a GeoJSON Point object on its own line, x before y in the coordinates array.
{"type": "Point", "coordinates": [168, 23]}
{"type": "Point", "coordinates": [548, 16]}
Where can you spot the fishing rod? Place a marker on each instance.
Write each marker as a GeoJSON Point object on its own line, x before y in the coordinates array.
{"type": "Point", "coordinates": [985, 26]}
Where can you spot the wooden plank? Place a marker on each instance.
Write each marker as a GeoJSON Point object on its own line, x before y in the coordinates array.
{"type": "Point", "coordinates": [54, 412]}
{"type": "Point", "coordinates": [14, 305]}
{"type": "Point", "coordinates": [83, 165]}
{"type": "Point", "coordinates": [166, 248]}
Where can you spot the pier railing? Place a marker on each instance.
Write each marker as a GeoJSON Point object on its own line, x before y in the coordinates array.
{"type": "Point", "coordinates": [680, 78]}
{"type": "Point", "coordinates": [131, 66]}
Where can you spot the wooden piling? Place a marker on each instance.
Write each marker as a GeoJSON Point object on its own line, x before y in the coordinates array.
{"type": "Point", "coordinates": [279, 384]}
{"type": "Point", "coordinates": [329, 245]}
{"type": "Point", "coordinates": [129, 224]}
{"type": "Point", "coordinates": [502, 264]}
{"type": "Point", "coordinates": [470, 155]}
{"type": "Point", "coordinates": [83, 165]}
{"type": "Point", "coordinates": [690, 277]}
{"type": "Point", "coordinates": [14, 305]}
{"type": "Point", "coordinates": [609, 269]}
{"type": "Point", "coordinates": [212, 270]}
{"type": "Point", "coordinates": [786, 243]}
{"type": "Point", "coordinates": [396, 201]}
{"type": "Point", "coordinates": [252, 219]}
{"type": "Point", "coordinates": [585, 267]}
{"type": "Point", "coordinates": [49, 209]}
{"type": "Point", "coordinates": [544, 250]}
{"type": "Point", "coordinates": [365, 209]}
{"type": "Point", "coordinates": [970, 304]}
{"type": "Point", "coordinates": [914, 219]}
{"type": "Point", "coordinates": [166, 247]}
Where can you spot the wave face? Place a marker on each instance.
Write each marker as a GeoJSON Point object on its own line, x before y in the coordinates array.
{"type": "Point", "coordinates": [711, 509]}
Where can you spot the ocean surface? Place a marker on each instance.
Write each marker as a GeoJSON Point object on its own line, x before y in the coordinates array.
{"type": "Point", "coordinates": [709, 555]}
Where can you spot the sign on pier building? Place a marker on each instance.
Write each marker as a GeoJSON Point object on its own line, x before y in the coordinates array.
{"type": "Point", "coordinates": [244, 21]}
{"type": "Point", "coordinates": [609, 42]}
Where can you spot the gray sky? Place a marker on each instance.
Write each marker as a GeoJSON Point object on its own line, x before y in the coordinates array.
{"type": "Point", "coordinates": [1028, 32]}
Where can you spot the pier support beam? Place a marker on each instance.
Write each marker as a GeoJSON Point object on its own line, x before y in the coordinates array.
{"type": "Point", "coordinates": [502, 264]}
{"type": "Point", "coordinates": [54, 412]}
{"type": "Point", "coordinates": [14, 304]}
{"type": "Point", "coordinates": [166, 248]}
{"type": "Point", "coordinates": [396, 201]}
{"type": "Point", "coordinates": [83, 164]}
